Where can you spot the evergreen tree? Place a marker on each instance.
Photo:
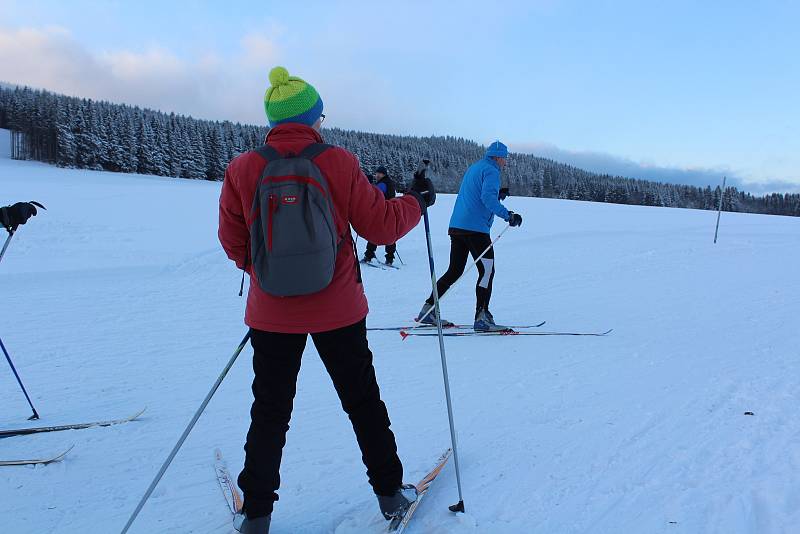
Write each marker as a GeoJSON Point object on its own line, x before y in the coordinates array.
{"type": "Point", "coordinates": [67, 146]}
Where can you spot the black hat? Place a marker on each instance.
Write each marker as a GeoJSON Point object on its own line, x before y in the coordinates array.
{"type": "Point", "coordinates": [381, 170]}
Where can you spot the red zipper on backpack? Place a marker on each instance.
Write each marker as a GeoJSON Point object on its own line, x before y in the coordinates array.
{"type": "Point", "coordinates": [272, 205]}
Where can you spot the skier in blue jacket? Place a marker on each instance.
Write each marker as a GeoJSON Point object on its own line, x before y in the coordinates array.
{"type": "Point", "coordinates": [477, 204]}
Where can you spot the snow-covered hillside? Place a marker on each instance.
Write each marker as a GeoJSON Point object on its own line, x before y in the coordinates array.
{"type": "Point", "coordinates": [119, 297]}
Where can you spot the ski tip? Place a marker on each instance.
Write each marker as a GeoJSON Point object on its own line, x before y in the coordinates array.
{"type": "Point", "coordinates": [456, 508]}
{"type": "Point", "coordinates": [403, 334]}
{"type": "Point", "coordinates": [60, 456]}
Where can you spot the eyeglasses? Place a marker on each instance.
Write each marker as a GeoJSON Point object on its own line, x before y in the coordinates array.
{"type": "Point", "coordinates": [322, 118]}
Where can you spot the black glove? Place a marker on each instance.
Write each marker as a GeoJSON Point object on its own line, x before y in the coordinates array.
{"type": "Point", "coordinates": [503, 194]}
{"type": "Point", "coordinates": [16, 214]}
{"type": "Point", "coordinates": [423, 190]}
{"type": "Point", "coordinates": [514, 219]}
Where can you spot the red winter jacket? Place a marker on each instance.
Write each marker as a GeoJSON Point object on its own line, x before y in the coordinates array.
{"type": "Point", "coordinates": [356, 202]}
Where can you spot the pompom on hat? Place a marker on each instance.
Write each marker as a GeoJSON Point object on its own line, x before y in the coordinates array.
{"type": "Point", "coordinates": [291, 99]}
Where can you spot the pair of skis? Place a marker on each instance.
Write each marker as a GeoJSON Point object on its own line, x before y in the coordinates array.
{"type": "Point", "coordinates": [396, 525]}
{"type": "Point", "coordinates": [42, 429]}
{"type": "Point", "coordinates": [463, 330]}
{"type": "Point", "coordinates": [447, 327]}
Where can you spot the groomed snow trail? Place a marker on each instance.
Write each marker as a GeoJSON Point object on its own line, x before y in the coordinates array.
{"type": "Point", "coordinates": [119, 297]}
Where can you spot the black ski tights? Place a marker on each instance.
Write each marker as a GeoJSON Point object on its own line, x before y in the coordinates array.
{"type": "Point", "coordinates": [461, 245]}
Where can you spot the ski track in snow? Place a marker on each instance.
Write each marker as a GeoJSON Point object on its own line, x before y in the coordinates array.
{"type": "Point", "coordinates": [119, 297]}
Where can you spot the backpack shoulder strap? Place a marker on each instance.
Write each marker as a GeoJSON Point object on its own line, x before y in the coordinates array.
{"type": "Point", "coordinates": [268, 153]}
{"type": "Point", "coordinates": [313, 150]}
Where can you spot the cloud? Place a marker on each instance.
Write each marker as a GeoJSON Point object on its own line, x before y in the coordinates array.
{"type": "Point", "coordinates": [230, 86]}
{"type": "Point", "coordinates": [259, 51]}
{"type": "Point", "coordinates": [209, 86]}
{"type": "Point", "coordinates": [615, 165]}
{"type": "Point", "coordinates": [130, 67]}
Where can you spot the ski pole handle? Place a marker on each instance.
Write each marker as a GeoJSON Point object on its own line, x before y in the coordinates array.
{"type": "Point", "coordinates": [422, 167]}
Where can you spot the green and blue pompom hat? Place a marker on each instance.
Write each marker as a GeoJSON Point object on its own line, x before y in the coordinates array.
{"type": "Point", "coordinates": [291, 99]}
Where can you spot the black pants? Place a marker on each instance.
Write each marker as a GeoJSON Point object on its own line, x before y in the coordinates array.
{"type": "Point", "coordinates": [348, 360]}
{"type": "Point", "coordinates": [371, 248]}
{"type": "Point", "coordinates": [463, 243]}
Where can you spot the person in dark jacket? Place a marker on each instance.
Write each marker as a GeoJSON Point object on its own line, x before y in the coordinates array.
{"type": "Point", "coordinates": [335, 317]}
{"type": "Point", "coordinates": [386, 186]}
{"type": "Point", "coordinates": [477, 204]}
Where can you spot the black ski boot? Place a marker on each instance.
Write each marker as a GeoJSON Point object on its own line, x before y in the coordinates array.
{"type": "Point", "coordinates": [257, 525]}
{"type": "Point", "coordinates": [395, 505]}
{"type": "Point", "coordinates": [389, 260]}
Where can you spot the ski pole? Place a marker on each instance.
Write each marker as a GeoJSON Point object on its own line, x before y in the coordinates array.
{"type": "Point", "coordinates": [398, 256]}
{"type": "Point", "coordinates": [5, 245]}
{"type": "Point", "coordinates": [475, 262]}
{"type": "Point", "coordinates": [185, 434]}
{"type": "Point", "coordinates": [719, 212]}
{"type": "Point", "coordinates": [19, 380]}
{"type": "Point", "coordinates": [459, 507]}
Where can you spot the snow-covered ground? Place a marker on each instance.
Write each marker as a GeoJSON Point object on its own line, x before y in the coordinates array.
{"type": "Point", "coordinates": [119, 297]}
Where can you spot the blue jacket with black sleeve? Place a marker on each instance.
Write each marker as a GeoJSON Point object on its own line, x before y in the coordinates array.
{"type": "Point", "coordinates": [477, 202]}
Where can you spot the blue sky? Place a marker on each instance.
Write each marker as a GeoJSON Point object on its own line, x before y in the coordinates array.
{"type": "Point", "coordinates": [676, 91]}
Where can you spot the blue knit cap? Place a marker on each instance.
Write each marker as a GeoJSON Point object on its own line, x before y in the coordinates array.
{"type": "Point", "coordinates": [497, 150]}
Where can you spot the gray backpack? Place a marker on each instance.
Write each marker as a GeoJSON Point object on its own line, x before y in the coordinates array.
{"type": "Point", "coordinates": [293, 237]}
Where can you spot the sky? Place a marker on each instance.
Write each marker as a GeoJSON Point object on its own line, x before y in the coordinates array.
{"type": "Point", "coordinates": [678, 91]}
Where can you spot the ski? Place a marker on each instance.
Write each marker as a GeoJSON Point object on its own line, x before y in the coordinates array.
{"type": "Point", "coordinates": [428, 327]}
{"type": "Point", "coordinates": [373, 265]}
{"type": "Point", "coordinates": [226, 484]}
{"type": "Point", "coordinates": [43, 461]}
{"type": "Point", "coordinates": [384, 264]}
{"type": "Point", "coordinates": [405, 334]}
{"type": "Point", "coordinates": [399, 524]}
{"type": "Point", "coordinates": [78, 426]}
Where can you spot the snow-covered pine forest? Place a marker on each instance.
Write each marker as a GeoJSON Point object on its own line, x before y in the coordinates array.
{"type": "Point", "coordinates": [80, 133]}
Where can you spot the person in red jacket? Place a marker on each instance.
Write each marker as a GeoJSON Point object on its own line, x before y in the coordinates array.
{"type": "Point", "coordinates": [335, 317]}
